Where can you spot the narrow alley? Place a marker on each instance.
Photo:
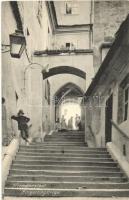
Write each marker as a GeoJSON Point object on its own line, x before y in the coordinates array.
{"type": "Point", "coordinates": [65, 99]}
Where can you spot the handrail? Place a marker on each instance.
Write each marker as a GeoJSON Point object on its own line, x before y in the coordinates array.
{"type": "Point", "coordinates": [119, 129]}
{"type": "Point", "coordinates": [8, 159]}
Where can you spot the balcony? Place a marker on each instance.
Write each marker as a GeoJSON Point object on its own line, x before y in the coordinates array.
{"type": "Point", "coordinates": [62, 52]}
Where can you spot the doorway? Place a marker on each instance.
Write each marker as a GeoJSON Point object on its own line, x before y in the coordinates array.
{"type": "Point", "coordinates": [108, 117]}
{"type": "Point", "coordinates": [70, 110]}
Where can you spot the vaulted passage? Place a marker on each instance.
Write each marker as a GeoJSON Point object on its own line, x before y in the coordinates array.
{"type": "Point", "coordinates": [68, 106]}
{"type": "Point", "coordinates": [70, 110]}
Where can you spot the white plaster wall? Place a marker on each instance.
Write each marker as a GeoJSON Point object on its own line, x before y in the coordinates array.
{"type": "Point", "coordinates": [38, 34]}
{"type": "Point", "coordinates": [28, 84]}
{"type": "Point", "coordinates": [12, 71]}
{"type": "Point", "coordinates": [83, 62]}
{"type": "Point", "coordinates": [46, 112]}
{"type": "Point", "coordinates": [17, 76]}
{"type": "Point", "coordinates": [34, 100]}
{"type": "Point", "coordinates": [80, 40]}
{"type": "Point", "coordinates": [82, 17]}
{"type": "Point", "coordinates": [60, 80]}
{"type": "Point", "coordinates": [117, 138]}
{"type": "Point", "coordinates": [95, 118]}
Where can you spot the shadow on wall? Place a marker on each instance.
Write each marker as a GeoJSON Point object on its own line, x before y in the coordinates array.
{"type": "Point", "coordinates": [91, 139]}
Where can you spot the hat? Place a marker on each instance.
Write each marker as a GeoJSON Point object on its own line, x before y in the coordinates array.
{"type": "Point", "coordinates": [20, 112]}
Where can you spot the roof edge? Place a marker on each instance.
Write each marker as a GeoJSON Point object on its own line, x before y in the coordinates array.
{"type": "Point", "coordinates": [105, 64]}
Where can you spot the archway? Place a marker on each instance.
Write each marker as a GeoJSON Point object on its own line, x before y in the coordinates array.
{"type": "Point", "coordinates": [70, 110]}
{"type": "Point", "coordinates": [68, 104]}
{"type": "Point", "coordinates": [64, 70]}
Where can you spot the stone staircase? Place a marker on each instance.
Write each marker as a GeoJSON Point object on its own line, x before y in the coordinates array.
{"type": "Point", "coordinates": [63, 166]}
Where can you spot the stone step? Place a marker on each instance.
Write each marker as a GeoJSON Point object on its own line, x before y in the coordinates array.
{"type": "Point", "coordinates": [64, 151]}
{"type": "Point", "coordinates": [65, 173]}
{"type": "Point", "coordinates": [60, 144]}
{"type": "Point", "coordinates": [64, 166]}
{"type": "Point", "coordinates": [63, 144]}
{"type": "Point", "coordinates": [62, 158]}
{"type": "Point", "coordinates": [66, 178]}
{"type": "Point", "coordinates": [55, 149]}
{"type": "Point", "coordinates": [79, 140]}
{"type": "Point", "coordinates": [67, 143]}
{"type": "Point", "coordinates": [68, 133]}
{"type": "Point", "coordinates": [67, 185]}
{"type": "Point", "coordinates": [64, 140]}
{"type": "Point", "coordinates": [41, 143]}
{"type": "Point", "coordinates": [75, 163]}
{"type": "Point", "coordinates": [39, 192]}
{"type": "Point", "coordinates": [57, 142]}
{"type": "Point", "coordinates": [75, 154]}
{"type": "Point", "coordinates": [67, 167]}
{"type": "Point", "coordinates": [64, 136]}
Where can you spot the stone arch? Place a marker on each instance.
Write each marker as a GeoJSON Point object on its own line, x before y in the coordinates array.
{"type": "Point", "coordinates": [73, 89]}
{"type": "Point", "coordinates": [64, 70]}
{"type": "Point", "coordinates": [68, 86]}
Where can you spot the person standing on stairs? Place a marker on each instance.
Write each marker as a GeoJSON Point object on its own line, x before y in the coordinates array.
{"type": "Point", "coordinates": [22, 124]}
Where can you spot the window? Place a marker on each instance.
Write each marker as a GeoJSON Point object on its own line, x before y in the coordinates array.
{"type": "Point", "coordinates": [68, 8]}
{"type": "Point", "coordinates": [71, 8]}
{"type": "Point", "coordinates": [123, 100]}
{"type": "Point", "coordinates": [67, 45]}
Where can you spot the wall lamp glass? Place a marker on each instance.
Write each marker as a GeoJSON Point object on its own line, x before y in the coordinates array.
{"type": "Point", "coordinates": [17, 44]}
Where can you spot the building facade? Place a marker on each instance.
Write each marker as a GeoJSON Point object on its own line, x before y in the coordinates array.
{"type": "Point", "coordinates": [107, 111]}
{"type": "Point", "coordinates": [53, 47]}
{"type": "Point", "coordinates": [60, 57]}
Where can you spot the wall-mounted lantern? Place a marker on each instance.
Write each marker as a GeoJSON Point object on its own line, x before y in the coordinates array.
{"type": "Point", "coordinates": [17, 44]}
